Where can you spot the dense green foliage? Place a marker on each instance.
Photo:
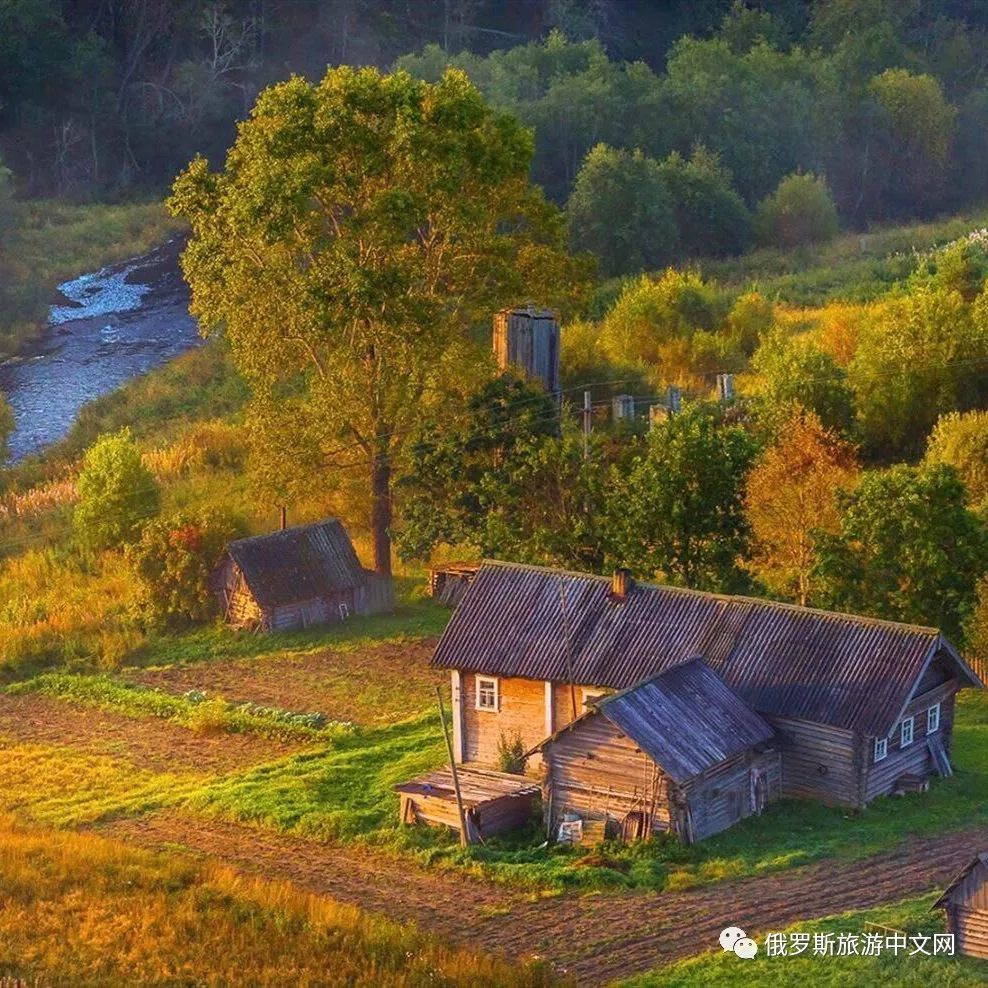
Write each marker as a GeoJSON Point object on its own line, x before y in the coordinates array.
{"type": "Point", "coordinates": [117, 494]}
{"type": "Point", "coordinates": [621, 210]}
{"type": "Point", "coordinates": [908, 549]}
{"type": "Point", "coordinates": [800, 211]}
{"type": "Point", "coordinates": [961, 441]}
{"type": "Point", "coordinates": [174, 560]}
{"type": "Point", "coordinates": [678, 509]}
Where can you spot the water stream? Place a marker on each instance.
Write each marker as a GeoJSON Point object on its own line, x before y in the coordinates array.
{"type": "Point", "coordinates": [105, 328]}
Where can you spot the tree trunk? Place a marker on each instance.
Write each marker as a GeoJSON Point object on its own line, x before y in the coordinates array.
{"type": "Point", "coordinates": [381, 511]}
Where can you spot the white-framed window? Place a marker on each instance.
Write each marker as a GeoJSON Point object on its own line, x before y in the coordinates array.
{"type": "Point", "coordinates": [933, 719]}
{"type": "Point", "coordinates": [487, 693]}
{"type": "Point", "coordinates": [881, 748]}
{"type": "Point", "coordinates": [906, 732]}
{"type": "Point", "coordinates": [344, 609]}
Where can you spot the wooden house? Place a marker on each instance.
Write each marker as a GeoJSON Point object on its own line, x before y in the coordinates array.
{"type": "Point", "coordinates": [295, 578]}
{"type": "Point", "coordinates": [965, 901]}
{"type": "Point", "coordinates": [859, 707]}
{"type": "Point", "coordinates": [679, 751]}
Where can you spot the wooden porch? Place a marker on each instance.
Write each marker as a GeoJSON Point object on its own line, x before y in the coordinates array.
{"type": "Point", "coordinates": [493, 802]}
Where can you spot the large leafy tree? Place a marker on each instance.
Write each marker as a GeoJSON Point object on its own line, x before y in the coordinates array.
{"type": "Point", "coordinates": [961, 441]}
{"type": "Point", "coordinates": [907, 549]}
{"type": "Point", "coordinates": [920, 355]}
{"type": "Point", "coordinates": [792, 493]}
{"type": "Point", "coordinates": [360, 228]}
{"type": "Point", "coordinates": [677, 512]}
{"type": "Point", "coordinates": [548, 503]}
{"type": "Point", "coordinates": [791, 370]}
{"type": "Point", "coordinates": [622, 211]}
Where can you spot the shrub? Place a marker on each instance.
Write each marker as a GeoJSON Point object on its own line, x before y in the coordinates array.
{"type": "Point", "coordinates": [961, 441]}
{"type": "Point", "coordinates": [620, 209]}
{"type": "Point", "coordinates": [711, 217]}
{"type": "Point", "coordinates": [511, 754]}
{"type": "Point", "coordinates": [174, 559]}
{"type": "Point", "coordinates": [651, 312]}
{"type": "Point", "coordinates": [117, 494]}
{"type": "Point", "coordinates": [800, 211]}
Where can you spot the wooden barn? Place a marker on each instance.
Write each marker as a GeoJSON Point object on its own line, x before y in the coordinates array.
{"type": "Point", "coordinates": [858, 707]}
{"type": "Point", "coordinates": [965, 901]}
{"type": "Point", "coordinates": [295, 578]}
{"type": "Point", "coordinates": [679, 752]}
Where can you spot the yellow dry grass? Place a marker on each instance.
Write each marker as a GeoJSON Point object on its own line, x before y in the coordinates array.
{"type": "Point", "coordinates": [81, 909]}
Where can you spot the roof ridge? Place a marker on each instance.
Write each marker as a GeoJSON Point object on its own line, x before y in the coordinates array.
{"type": "Point", "coordinates": [285, 531]}
{"type": "Point", "coordinates": [724, 597]}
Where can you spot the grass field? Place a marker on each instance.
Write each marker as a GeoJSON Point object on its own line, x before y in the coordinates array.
{"type": "Point", "coordinates": [339, 786]}
{"type": "Point", "coordinates": [79, 909]}
{"type": "Point", "coordinates": [913, 917]}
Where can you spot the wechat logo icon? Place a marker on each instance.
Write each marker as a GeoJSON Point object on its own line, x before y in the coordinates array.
{"type": "Point", "coordinates": [734, 938]}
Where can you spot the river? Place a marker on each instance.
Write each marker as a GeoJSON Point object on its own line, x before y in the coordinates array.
{"type": "Point", "coordinates": [104, 329]}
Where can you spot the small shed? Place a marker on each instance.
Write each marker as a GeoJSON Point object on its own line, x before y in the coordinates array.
{"type": "Point", "coordinates": [526, 339]}
{"type": "Point", "coordinates": [493, 802]}
{"type": "Point", "coordinates": [295, 578]}
{"type": "Point", "coordinates": [679, 752]}
{"type": "Point", "coordinates": [449, 583]}
{"type": "Point", "coordinates": [965, 901]}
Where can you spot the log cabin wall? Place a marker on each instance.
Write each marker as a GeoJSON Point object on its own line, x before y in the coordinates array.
{"type": "Point", "coordinates": [521, 711]}
{"type": "Point", "coordinates": [320, 610]}
{"type": "Point", "coordinates": [967, 912]}
{"type": "Point", "coordinates": [818, 761]}
{"type": "Point", "coordinates": [915, 759]}
{"type": "Point", "coordinates": [970, 927]}
{"type": "Point", "coordinates": [719, 798]}
{"type": "Point", "coordinates": [599, 774]}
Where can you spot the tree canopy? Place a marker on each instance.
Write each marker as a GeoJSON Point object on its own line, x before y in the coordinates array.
{"type": "Point", "coordinates": [361, 228]}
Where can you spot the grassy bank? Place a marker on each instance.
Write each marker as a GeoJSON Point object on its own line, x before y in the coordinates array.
{"type": "Point", "coordinates": [856, 266]}
{"type": "Point", "coordinates": [913, 917]}
{"type": "Point", "coordinates": [51, 242]}
{"type": "Point", "coordinates": [85, 910]}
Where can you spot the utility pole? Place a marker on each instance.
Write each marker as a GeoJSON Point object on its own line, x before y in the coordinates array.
{"type": "Point", "coordinates": [587, 423]}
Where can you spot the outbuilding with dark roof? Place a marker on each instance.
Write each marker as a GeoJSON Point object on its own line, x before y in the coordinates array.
{"type": "Point", "coordinates": [680, 751]}
{"type": "Point", "coordinates": [297, 577]}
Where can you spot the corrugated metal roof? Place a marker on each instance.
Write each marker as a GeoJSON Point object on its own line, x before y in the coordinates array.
{"type": "Point", "coordinates": [838, 669]}
{"type": "Point", "coordinates": [686, 719]}
{"type": "Point", "coordinates": [299, 563]}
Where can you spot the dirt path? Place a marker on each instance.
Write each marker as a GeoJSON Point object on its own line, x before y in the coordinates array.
{"type": "Point", "coordinates": [148, 743]}
{"type": "Point", "coordinates": [595, 938]}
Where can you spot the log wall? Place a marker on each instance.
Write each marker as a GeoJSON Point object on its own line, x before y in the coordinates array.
{"type": "Point", "coordinates": [970, 928]}
{"type": "Point", "coordinates": [819, 762]}
{"type": "Point", "coordinates": [722, 796]}
{"type": "Point", "coordinates": [521, 711]}
{"type": "Point", "coordinates": [599, 774]}
{"type": "Point", "coordinates": [915, 758]}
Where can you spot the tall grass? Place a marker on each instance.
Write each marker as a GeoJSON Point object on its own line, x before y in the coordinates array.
{"type": "Point", "coordinates": [80, 909]}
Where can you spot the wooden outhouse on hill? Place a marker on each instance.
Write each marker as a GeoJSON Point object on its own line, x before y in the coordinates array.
{"type": "Point", "coordinates": [965, 901]}
{"type": "Point", "coordinates": [295, 578]}
{"type": "Point", "coordinates": [679, 751]}
{"type": "Point", "coordinates": [526, 339]}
